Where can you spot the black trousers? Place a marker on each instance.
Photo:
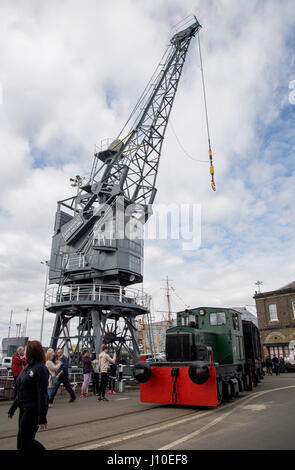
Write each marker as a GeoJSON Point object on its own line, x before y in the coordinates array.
{"type": "Point", "coordinates": [112, 383]}
{"type": "Point", "coordinates": [15, 388]}
{"type": "Point", "coordinates": [27, 428]}
{"type": "Point", "coordinates": [66, 382]}
{"type": "Point", "coordinates": [104, 377]}
{"type": "Point", "coordinates": [95, 382]}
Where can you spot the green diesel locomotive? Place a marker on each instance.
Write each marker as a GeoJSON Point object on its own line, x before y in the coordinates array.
{"type": "Point", "coordinates": [212, 354]}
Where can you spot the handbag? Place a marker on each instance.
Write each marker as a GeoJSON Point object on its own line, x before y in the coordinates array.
{"type": "Point", "coordinates": [54, 380]}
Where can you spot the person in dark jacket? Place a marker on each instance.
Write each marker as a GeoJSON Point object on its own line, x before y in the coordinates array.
{"type": "Point", "coordinates": [87, 371]}
{"type": "Point", "coordinates": [17, 365]}
{"type": "Point", "coordinates": [282, 365]}
{"type": "Point", "coordinates": [276, 364]}
{"type": "Point", "coordinates": [268, 363]}
{"type": "Point", "coordinates": [112, 379]}
{"type": "Point", "coordinates": [31, 398]}
{"type": "Point", "coordinates": [63, 377]}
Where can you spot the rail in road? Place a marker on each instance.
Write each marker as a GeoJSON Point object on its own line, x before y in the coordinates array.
{"type": "Point", "coordinates": [128, 424]}
{"type": "Point", "coordinates": [216, 416]}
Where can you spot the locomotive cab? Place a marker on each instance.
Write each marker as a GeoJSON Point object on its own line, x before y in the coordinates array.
{"type": "Point", "coordinates": [210, 334]}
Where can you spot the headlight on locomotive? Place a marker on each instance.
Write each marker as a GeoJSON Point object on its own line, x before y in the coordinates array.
{"type": "Point", "coordinates": [198, 373]}
{"type": "Point", "coordinates": [142, 372]}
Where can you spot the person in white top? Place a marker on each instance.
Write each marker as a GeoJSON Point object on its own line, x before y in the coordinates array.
{"type": "Point", "coordinates": [52, 368]}
{"type": "Point", "coordinates": [105, 362]}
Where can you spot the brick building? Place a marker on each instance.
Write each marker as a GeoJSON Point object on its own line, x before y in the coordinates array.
{"type": "Point", "coordinates": [276, 319]}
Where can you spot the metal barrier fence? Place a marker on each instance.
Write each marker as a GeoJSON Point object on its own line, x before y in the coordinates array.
{"type": "Point", "coordinates": [124, 375]}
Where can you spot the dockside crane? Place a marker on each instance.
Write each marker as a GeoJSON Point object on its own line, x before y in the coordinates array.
{"type": "Point", "coordinates": [94, 262]}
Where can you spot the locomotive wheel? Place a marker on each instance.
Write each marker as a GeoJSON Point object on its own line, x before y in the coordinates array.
{"type": "Point", "coordinates": [248, 382]}
{"type": "Point", "coordinates": [255, 379]}
{"type": "Point", "coordinates": [219, 393]}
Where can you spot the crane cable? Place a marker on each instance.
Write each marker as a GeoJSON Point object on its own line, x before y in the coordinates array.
{"type": "Point", "coordinates": [207, 120]}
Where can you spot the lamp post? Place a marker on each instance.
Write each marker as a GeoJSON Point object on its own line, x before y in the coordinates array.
{"type": "Point", "coordinates": [77, 182]}
{"type": "Point", "coordinates": [9, 328]}
{"type": "Point", "coordinates": [26, 323]}
{"type": "Point", "coordinates": [258, 284]}
{"type": "Point", "coordinates": [18, 326]}
{"type": "Point", "coordinates": [46, 263]}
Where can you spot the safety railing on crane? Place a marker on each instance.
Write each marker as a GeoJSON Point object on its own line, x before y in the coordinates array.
{"type": "Point", "coordinates": [99, 293]}
{"type": "Point", "coordinates": [183, 24]}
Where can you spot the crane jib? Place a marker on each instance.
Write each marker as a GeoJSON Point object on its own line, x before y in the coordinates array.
{"type": "Point", "coordinates": [188, 32]}
{"type": "Point", "coordinates": [141, 150]}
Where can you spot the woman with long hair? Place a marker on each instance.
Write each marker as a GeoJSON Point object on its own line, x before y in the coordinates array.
{"type": "Point", "coordinates": [32, 398]}
{"type": "Point", "coordinates": [52, 368]}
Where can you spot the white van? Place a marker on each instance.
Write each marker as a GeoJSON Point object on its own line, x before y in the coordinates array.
{"type": "Point", "coordinates": [7, 362]}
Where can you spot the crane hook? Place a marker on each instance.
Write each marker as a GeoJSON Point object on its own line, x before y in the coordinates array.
{"type": "Point", "coordinates": [207, 120]}
{"type": "Point", "coordinates": [212, 171]}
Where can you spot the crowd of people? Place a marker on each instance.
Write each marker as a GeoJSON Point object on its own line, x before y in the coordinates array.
{"type": "Point", "coordinates": [37, 379]}
{"type": "Point", "coordinates": [275, 365]}
{"type": "Point", "coordinates": [102, 369]}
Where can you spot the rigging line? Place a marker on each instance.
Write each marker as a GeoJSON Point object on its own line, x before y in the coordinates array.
{"type": "Point", "coordinates": [147, 89]}
{"type": "Point", "coordinates": [174, 290]}
{"type": "Point", "coordinates": [204, 92]}
{"type": "Point", "coordinates": [182, 148]}
{"type": "Point", "coordinates": [207, 119]}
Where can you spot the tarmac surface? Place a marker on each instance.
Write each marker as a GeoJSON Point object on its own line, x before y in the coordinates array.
{"type": "Point", "coordinates": [259, 420]}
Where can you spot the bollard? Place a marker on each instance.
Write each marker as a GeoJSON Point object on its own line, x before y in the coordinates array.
{"type": "Point", "coordinates": [121, 380]}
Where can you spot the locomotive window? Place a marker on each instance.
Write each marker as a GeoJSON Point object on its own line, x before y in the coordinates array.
{"type": "Point", "coordinates": [217, 319]}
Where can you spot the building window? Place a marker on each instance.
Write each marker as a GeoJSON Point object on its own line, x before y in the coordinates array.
{"type": "Point", "coordinates": [293, 307]}
{"type": "Point", "coordinates": [273, 314]}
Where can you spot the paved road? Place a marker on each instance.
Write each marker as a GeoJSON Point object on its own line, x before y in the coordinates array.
{"type": "Point", "coordinates": [259, 420]}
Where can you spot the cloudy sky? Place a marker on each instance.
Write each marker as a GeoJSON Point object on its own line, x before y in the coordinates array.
{"type": "Point", "coordinates": [70, 74]}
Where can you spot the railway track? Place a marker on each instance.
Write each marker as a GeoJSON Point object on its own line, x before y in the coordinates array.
{"type": "Point", "coordinates": [89, 421]}
{"type": "Point", "coordinates": [132, 432]}
{"type": "Point", "coordinates": [137, 426]}
{"type": "Point", "coordinates": [102, 422]}
{"type": "Point", "coordinates": [215, 415]}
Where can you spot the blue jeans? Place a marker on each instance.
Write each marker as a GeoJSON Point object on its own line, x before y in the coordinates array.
{"type": "Point", "coordinates": [51, 394]}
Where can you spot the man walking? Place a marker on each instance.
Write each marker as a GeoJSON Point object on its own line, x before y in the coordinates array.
{"type": "Point", "coordinates": [63, 376]}
{"type": "Point", "coordinates": [17, 365]}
